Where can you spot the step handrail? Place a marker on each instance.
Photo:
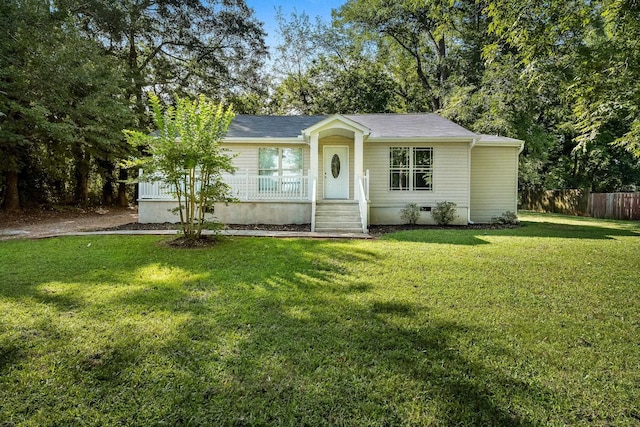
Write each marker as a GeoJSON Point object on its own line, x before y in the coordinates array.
{"type": "Point", "coordinates": [313, 206]}
{"type": "Point", "coordinates": [363, 203]}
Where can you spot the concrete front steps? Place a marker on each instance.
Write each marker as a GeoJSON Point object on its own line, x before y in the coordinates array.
{"type": "Point", "coordinates": [338, 217]}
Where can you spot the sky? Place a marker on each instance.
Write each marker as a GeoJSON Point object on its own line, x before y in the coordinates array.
{"type": "Point", "coordinates": [265, 11]}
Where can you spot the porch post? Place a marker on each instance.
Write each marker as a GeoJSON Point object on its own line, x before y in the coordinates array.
{"type": "Point", "coordinates": [313, 159]}
{"type": "Point", "coordinates": [358, 162]}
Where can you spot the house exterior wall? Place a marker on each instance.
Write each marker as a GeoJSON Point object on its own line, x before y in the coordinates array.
{"type": "Point", "coordinates": [272, 212]}
{"type": "Point", "coordinates": [494, 182]}
{"type": "Point", "coordinates": [493, 178]}
{"type": "Point", "coordinates": [450, 181]}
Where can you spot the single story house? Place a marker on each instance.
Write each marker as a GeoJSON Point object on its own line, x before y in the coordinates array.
{"type": "Point", "coordinates": [346, 171]}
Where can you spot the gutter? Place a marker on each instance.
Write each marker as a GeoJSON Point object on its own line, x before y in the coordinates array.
{"type": "Point", "coordinates": [473, 144]}
{"type": "Point", "coordinates": [262, 140]}
{"type": "Point", "coordinates": [417, 139]}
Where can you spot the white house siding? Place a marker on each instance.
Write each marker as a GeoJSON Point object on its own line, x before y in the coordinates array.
{"type": "Point", "coordinates": [334, 140]}
{"type": "Point", "coordinates": [247, 155]}
{"type": "Point", "coordinates": [494, 182]}
{"type": "Point", "coordinates": [450, 181]}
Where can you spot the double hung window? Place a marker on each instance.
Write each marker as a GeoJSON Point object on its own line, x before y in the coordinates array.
{"type": "Point", "coordinates": [279, 169]}
{"type": "Point", "coordinates": [411, 168]}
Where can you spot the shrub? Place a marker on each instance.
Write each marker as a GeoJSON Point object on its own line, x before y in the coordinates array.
{"type": "Point", "coordinates": [444, 213]}
{"type": "Point", "coordinates": [410, 213]}
{"type": "Point", "coordinates": [507, 218]}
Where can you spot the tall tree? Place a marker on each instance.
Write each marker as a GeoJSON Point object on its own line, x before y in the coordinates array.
{"type": "Point", "coordinates": [588, 52]}
{"type": "Point", "coordinates": [323, 69]}
{"type": "Point", "coordinates": [59, 100]}
{"type": "Point", "coordinates": [176, 47]}
{"type": "Point", "coordinates": [296, 53]}
{"type": "Point", "coordinates": [424, 31]}
{"type": "Point", "coordinates": [171, 46]}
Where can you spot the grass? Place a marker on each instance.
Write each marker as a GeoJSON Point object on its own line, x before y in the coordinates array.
{"type": "Point", "coordinates": [537, 325]}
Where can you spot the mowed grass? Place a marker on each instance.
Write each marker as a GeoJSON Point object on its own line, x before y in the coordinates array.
{"type": "Point", "coordinates": [538, 325]}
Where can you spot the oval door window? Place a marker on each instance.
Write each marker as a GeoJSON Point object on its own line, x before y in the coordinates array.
{"type": "Point", "coordinates": [335, 165]}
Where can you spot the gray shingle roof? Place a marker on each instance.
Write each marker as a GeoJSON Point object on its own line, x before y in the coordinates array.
{"type": "Point", "coordinates": [245, 126]}
{"type": "Point", "coordinates": [410, 125]}
{"type": "Point", "coordinates": [381, 126]}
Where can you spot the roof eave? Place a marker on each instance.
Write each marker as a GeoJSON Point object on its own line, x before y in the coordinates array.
{"type": "Point", "coordinates": [465, 139]}
{"type": "Point", "coordinates": [264, 140]}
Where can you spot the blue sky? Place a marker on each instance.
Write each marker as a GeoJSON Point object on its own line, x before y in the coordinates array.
{"type": "Point", "coordinates": [265, 11]}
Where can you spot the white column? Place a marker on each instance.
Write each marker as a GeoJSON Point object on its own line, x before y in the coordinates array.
{"type": "Point", "coordinates": [313, 159]}
{"type": "Point", "coordinates": [358, 162]}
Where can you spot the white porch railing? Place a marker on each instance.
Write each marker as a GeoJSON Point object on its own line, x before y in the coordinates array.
{"type": "Point", "coordinates": [363, 200]}
{"type": "Point", "coordinates": [244, 186]}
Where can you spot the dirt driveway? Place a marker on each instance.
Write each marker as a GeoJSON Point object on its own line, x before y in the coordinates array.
{"type": "Point", "coordinates": [39, 224]}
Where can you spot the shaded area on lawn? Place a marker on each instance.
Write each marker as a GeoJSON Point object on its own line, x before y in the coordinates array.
{"type": "Point", "coordinates": [526, 229]}
{"type": "Point", "coordinates": [154, 334]}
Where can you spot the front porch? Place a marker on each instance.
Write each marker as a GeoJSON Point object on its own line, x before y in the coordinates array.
{"type": "Point", "coordinates": [265, 200]}
{"type": "Point", "coordinates": [245, 187]}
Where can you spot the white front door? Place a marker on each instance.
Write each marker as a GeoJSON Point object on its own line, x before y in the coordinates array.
{"type": "Point", "coordinates": [336, 172]}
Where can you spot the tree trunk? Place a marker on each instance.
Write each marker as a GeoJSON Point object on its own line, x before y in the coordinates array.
{"type": "Point", "coordinates": [108, 181]}
{"type": "Point", "coordinates": [12, 196]}
{"type": "Point", "coordinates": [123, 201]}
{"type": "Point", "coordinates": [81, 177]}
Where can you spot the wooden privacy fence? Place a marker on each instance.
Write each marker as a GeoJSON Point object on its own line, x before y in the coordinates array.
{"type": "Point", "coordinates": [568, 202]}
{"type": "Point", "coordinates": [581, 202]}
{"type": "Point", "coordinates": [615, 205]}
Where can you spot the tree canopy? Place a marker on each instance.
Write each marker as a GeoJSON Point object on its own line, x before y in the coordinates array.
{"type": "Point", "coordinates": [562, 75]}
{"type": "Point", "coordinates": [73, 74]}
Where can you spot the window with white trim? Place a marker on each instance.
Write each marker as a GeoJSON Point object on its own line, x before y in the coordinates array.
{"type": "Point", "coordinates": [411, 168]}
{"type": "Point", "coordinates": [278, 163]}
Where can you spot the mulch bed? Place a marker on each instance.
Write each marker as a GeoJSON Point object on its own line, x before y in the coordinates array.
{"type": "Point", "coordinates": [184, 243]}
{"type": "Point", "coordinates": [374, 230]}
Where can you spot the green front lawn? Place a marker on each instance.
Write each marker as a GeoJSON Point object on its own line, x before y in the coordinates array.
{"type": "Point", "coordinates": [538, 325]}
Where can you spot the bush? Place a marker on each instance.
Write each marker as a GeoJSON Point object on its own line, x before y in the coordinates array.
{"type": "Point", "coordinates": [507, 218]}
{"type": "Point", "coordinates": [444, 213]}
{"type": "Point", "coordinates": [410, 213]}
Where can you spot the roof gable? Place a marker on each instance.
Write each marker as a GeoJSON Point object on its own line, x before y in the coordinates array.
{"type": "Point", "coordinates": [337, 121]}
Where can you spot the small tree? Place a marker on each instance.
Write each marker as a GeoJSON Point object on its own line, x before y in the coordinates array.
{"type": "Point", "coordinates": [444, 213]}
{"type": "Point", "coordinates": [186, 153]}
